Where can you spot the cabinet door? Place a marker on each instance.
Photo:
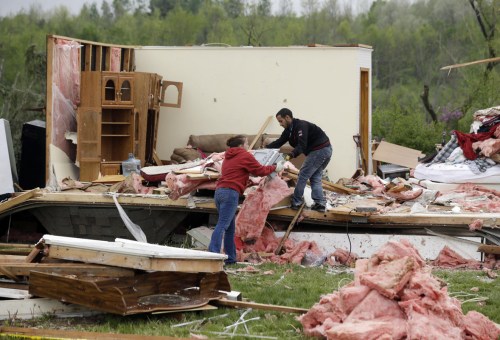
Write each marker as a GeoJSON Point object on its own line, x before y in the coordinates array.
{"type": "Point", "coordinates": [117, 89]}
{"type": "Point", "coordinates": [89, 142]}
{"type": "Point", "coordinates": [126, 86]}
{"type": "Point", "coordinates": [110, 89]}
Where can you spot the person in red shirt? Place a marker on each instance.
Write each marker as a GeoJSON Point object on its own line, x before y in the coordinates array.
{"type": "Point", "coordinates": [237, 167]}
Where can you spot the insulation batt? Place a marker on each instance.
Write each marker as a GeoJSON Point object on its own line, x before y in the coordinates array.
{"type": "Point", "coordinates": [408, 304]}
{"type": "Point", "coordinates": [254, 210]}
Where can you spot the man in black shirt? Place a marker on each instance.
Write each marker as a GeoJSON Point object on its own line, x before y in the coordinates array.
{"type": "Point", "coordinates": [312, 141]}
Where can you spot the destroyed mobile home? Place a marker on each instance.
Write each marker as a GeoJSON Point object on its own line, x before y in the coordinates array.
{"type": "Point", "coordinates": [105, 103]}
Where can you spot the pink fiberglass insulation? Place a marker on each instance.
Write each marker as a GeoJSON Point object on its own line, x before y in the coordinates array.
{"type": "Point", "coordinates": [181, 185]}
{"type": "Point", "coordinates": [65, 93]}
{"type": "Point", "coordinates": [448, 258]}
{"type": "Point", "coordinates": [420, 309]}
{"type": "Point", "coordinates": [254, 210]}
{"type": "Point", "coordinates": [116, 54]}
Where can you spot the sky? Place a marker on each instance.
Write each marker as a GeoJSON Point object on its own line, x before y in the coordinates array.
{"type": "Point", "coordinates": [8, 7]}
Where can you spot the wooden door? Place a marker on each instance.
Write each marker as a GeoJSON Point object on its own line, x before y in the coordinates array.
{"type": "Point", "coordinates": [110, 89]}
{"type": "Point", "coordinates": [126, 90]}
{"type": "Point", "coordinates": [89, 142]}
{"type": "Point", "coordinates": [364, 128]}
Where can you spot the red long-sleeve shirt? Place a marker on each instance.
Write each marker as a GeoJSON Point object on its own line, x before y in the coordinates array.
{"type": "Point", "coordinates": [237, 166]}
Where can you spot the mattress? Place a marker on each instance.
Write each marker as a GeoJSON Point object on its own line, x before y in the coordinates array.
{"type": "Point", "coordinates": [456, 173]}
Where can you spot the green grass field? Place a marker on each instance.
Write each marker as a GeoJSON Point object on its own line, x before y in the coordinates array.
{"type": "Point", "coordinates": [285, 285]}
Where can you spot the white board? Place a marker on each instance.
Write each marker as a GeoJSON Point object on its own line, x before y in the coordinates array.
{"type": "Point", "coordinates": [8, 172]}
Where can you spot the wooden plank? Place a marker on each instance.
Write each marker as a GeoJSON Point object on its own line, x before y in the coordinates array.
{"type": "Point", "coordinates": [18, 199]}
{"type": "Point", "coordinates": [9, 274]}
{"type": "Point", "coordinates": [157, 158]}
{"type": "Point", "coordinates": [110, 179]}
{"type": "Point", "coordinates": [67, 334]}
{"type": "Point", "coordinates": [260, 306]}
{"type": "Point", "coordinates": [88, 57]}
{"type": "Point", "coordinates": [12, 258]}
{"type": "Point", "coordinates": [135, 261]}
{"type": "Point", "coordinates": [15, 245]}
{"type": "Point", "coordinates": [290, 227]}
{"type": "Point", "coordinates": [325, 184]}
{"type": "Point", "coordinates": [482, 61]}
{"type": "Point", "coordinates": [396, 154]}
{"type": "Point", "coordinates": [49, 103]}
{"type": "Point", "coordinates": [130, 247]}
{"type": "Point", "coordinates": [489, 249]}
{"type": "Point", "coordinates": [24, 269]}
{"type": "Point", "coordinates": [11, 293]}
{"type": "Point", "coordinates": [35, 308]}
{"type": "Point", "coordinates": [261, 131]}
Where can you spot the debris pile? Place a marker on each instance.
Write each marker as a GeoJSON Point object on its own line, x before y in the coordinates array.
{"type": "Point", "coordinates": [395, 296]}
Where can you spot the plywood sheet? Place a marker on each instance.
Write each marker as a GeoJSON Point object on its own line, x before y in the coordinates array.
{"type": "Point", "coordinates": [396, 154]}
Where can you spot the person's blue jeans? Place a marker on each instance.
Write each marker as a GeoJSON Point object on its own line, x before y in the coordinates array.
{"type": "Point", "coordinates": [226, 201]}
{"type": "Point", "coordinates": [312, 170]}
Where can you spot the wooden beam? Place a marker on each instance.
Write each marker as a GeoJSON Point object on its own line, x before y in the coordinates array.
{"type": "Point", "coordinates": [482, 61]}
{"type": "Point", "coordinates": [96, 270]}
{"type": "Point", "coordinates": [135, 261]}
{"type": "Point", "coordinates": [489, 249]}
{"type": "Point", "coordinates": [67, 334]}
{"type": "Point", "coordinates": [260, 306]}
{"type": "Point", "coordinates": [156, 158]}
{"type": "Point", "coordinates": [326, 184]}
{"type": "Point", "coordinates": [261, 131]}
{"type": "Point", "coordinates": [290, 227]}
{"type": "Point", "coordinates": [18, 199]}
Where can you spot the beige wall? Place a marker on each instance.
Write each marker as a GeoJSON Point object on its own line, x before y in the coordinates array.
{"type": "Point", "coordinates": [234, 90]}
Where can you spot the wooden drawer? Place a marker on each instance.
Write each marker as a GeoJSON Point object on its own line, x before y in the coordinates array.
{"type": "Point", "coordinates": [110, 169]}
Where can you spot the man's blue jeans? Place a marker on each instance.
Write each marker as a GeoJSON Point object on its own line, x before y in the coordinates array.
{"type": "Point", "coordinates": [312, 170]}
{"type": "Point", "coordinates": [226, 201]}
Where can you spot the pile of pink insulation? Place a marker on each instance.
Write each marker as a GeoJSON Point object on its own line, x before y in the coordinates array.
{"type": "Point", "coordinates": [395, 296]}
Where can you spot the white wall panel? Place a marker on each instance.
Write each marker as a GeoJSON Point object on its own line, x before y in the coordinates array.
{"type": "Point", "coordinates": [234, 90]}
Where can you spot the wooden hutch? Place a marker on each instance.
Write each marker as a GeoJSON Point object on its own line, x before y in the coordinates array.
{"type": "Point", "coordinates": [118, 108]}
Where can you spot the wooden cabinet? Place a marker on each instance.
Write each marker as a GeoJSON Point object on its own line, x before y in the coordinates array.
{"type": "Point", "coordinates": [118, 115]}
{"type": "Point", "coordinates": [117, 134]}
{"type": "Point", "coordinates": [117, 88]}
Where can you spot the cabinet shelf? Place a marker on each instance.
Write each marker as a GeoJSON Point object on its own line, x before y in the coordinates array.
{"type": "Point", "coordinates": [115, 135]}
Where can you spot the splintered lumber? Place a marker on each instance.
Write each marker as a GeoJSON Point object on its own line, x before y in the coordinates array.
{"type": "Point", "coordinates": [67, 334]}
{"type": "Point", "coordinates": [204, 176]}
{"type": "Point", "coordinates": [482, 61]}
{"type": "Point", "coordinates": [36, 253]}
{"type": "Point", "coordinates": [261, 131]}
{"type": "Point", "coordinates": [261, 306]}
{"type": "Point", "coordinates": [326, 184]}
{"type": "Point", "coordinates": [133, 254]}
{"type": "Point", "coordinates": [290, 227]}
{"type": "Point", "coordinates": [157, 158]}
{"type": "Point", "coordinates": [489, 249]}
{"type": "Point", "coordinates": [23, 269]}
{"type": "Point", "coordinates": [12, 202]}
{"type": "Point", "coordinates": [145, 292]}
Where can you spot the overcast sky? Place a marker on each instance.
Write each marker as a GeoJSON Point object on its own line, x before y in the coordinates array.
{"type": "Point", "coordinates": [8, 7]}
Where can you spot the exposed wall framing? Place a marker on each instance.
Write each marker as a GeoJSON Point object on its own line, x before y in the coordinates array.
{"type": "Point", "coordinates": [91, 56]}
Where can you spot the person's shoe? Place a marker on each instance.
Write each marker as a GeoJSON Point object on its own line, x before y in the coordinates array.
{"type": "Point", "coordinates": [318, 207]}
{"type": "Point", "coordinates": [295, 206]}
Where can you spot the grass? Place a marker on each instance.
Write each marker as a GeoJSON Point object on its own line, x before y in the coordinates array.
{"type": "Point", "coordinates": [285, 285]}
